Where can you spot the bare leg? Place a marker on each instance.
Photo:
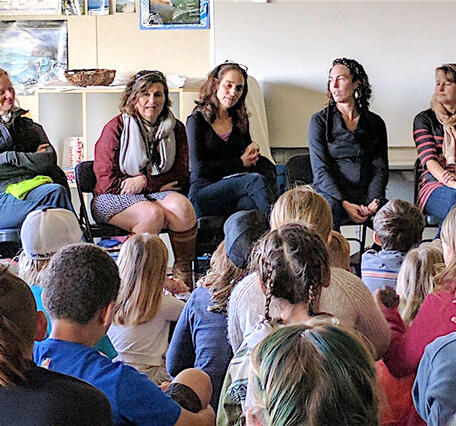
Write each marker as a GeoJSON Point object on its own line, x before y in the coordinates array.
{"type": "Point", "coordinates": [198, 381]}
{"type": "Point", "coordinates": [146, 216]}
{"type": "Point", "coordinates": [179, 212]}
{"type": "Point", "coordinates": [181, 221]}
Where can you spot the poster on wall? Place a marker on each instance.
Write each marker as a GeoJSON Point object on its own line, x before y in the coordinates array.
{"type": "Point", "coordinates": [29, 7]}
{"type": "Point", "coordinates": [33, 52]}
{"type": "Point", "coordinates": [125, 6]}
{"type": "Point", "coordinates": [98, 7]}
{"type": "Point", "coordinates": [173, 14]}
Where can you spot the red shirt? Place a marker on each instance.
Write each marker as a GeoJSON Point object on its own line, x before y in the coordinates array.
{"type": "Point", "coordinates": [106, 165]}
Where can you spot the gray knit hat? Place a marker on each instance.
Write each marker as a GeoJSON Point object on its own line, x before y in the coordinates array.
{"type": "Point", "coordinates": [242, 230]}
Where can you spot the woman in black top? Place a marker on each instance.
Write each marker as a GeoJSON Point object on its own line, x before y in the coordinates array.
{"type": "Point", "coordinates": [348, 147]}
{"type": "Point", "coordinates": [227, 172]}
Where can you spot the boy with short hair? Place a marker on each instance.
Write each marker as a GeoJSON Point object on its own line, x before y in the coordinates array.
{"type": "Point", "coordinates": [82, 283]}
{"type": "Point", "coordinates": [30, 395]}
{"type": "Point", "coordinates": [398, 227]}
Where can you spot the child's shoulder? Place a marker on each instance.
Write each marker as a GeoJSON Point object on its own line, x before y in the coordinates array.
{"type": "Point", "coordinates": [382, 257]}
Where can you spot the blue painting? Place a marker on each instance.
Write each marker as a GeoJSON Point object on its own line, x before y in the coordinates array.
{"type": "Point", "coordinates": [173, 14]}
{"type": "Point", "coordinates": [33, 52]}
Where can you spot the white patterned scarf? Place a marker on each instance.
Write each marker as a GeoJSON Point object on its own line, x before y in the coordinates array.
{"type": "Point", "coordinates": [134, 158]}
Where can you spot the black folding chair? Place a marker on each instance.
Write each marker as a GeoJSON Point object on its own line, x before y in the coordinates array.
{"type": "Point", "coordinates": [85, 182]}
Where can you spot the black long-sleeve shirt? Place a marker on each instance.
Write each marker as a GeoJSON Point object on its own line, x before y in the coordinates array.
{"type": "Point", "coordinates": [351, 166]}
{"type": "Point", "coordinates": [211, 157]}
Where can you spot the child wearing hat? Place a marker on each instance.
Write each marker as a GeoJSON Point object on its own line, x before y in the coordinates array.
{"type": "Point", "coordinates": [43, 233]}
{"type": "Point", "coordinates": [30, 395]}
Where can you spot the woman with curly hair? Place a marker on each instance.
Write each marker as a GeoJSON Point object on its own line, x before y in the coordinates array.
{"type": "Point", "coordinates": [348, 146]}
{"type": "Point", "coordinates": [141, 162]}
{"type": "Point", "coordinates": [227, 171]}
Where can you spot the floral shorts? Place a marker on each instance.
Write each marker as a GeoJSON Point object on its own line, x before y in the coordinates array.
{"type": "Point", "coordinates": [105, 206]}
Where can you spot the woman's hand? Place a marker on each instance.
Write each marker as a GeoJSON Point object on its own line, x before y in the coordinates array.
{"type": "Point", "coordinates": [171, 186]}
{"type": "Point", "coordinates": [358, 214]}
{"type": "Point", "coordinates": [133, 185]}
{"type": "Point", "coordinates": [42, 147]}
{"type": "Point", "coordinates": [373, 206]}
{"type": "Point", "coordinates": [251, 155]}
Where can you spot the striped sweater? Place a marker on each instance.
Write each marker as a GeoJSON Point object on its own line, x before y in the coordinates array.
{"type": "Point", "coordinates": [428, 136]}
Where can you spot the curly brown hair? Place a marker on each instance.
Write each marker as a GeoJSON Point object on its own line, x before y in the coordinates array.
{"type": "Point", "coordinates": [292, 264]}
{"type": "Point", "coordinates": [140, 84]}
{"type": "Point", "coordinates": [208, 103]}
{"type": "Point", "coordinates": [363, 92]}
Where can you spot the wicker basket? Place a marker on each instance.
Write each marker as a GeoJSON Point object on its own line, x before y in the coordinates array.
{"type": "Point", "coordinates": [90, 77]}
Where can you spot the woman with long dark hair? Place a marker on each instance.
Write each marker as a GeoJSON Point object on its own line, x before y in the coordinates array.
{"type": "Point", "coordinates": [227, 171]}
{"type": "Point", "coordinates": [348, 146]}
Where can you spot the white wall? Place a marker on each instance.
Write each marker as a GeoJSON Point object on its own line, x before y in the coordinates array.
{"type": "Point", "coordinates": [288, 46]}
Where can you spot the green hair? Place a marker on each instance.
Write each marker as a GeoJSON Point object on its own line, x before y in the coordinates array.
{"type": "Point", "coordinates": [322, 375]}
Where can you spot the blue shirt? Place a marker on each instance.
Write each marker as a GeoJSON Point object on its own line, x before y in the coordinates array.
{"type": "Point", "coordinates": [104, 345]}
{"type": "Point", "coordinates": [200, 340]}
{"type": "Point", "coordinates": [134, 398]}
{"type": "Point", "coordinates": [435, 384]}
{"type": "Point", "coordinates": [380, 269]}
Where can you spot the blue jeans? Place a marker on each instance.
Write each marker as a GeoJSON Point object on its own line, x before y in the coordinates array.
{"type": "Point", "coordinates": [227, 196]}
{"type": "Point", "coordinates": [14, 211]}
{"type": "Point", "coordinates": [440, 202]}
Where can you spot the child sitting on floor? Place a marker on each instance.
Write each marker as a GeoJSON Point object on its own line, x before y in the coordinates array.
{"type": "Point", "coordinates": [143, 314]}
{"type": "Point", "coordinates": [320, 376]}
{"type": "Point", "coordinates": [30, 395]}
{"type": "Point", "coordinates": [398, 227]}
{"type": "Point", "coordinates": [82, 283]}
{"type": "Point", "coordinates": [292, 265]}
{"type": "Point", "coordinates": [414, 283]}
{"type": "Point", "coordinates": [43, 233]}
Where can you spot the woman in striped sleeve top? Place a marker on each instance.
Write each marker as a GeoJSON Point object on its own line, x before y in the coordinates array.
{"type": "Point", "coordinates": [434, 133]}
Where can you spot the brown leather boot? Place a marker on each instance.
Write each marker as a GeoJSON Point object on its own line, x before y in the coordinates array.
{"type": "Point", "coordinates": [183, 244]}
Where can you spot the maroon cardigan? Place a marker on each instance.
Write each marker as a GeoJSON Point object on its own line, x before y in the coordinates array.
{"type": "Point", "coordinates": [106, 165]}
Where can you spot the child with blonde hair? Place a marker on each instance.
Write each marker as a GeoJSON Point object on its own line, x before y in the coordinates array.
{"type": "Point", "coordinates": [436, 316]}
{"type": "Point", "coordinates": [414, 283]}
{"type": "Point", "coordinates": [143, 313]}
{"type": "Point", "coordinates": [416, 279]}
{"type": "Point", "coordinates": [347, 298]}
{"type": "Point", "coordinates": [339, 251]}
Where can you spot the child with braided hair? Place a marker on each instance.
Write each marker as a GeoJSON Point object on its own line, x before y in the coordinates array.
{"type": "Point", "coordinates": [292, 266]}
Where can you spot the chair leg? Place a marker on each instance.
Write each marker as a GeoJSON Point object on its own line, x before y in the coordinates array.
{"type": "Point", "coordinates": [362, 243]}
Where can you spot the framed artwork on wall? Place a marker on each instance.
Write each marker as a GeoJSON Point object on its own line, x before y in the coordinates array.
{"type": "Point", "coordinates": [173, 14]}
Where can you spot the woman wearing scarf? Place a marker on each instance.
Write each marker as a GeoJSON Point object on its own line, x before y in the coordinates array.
{"type": "Point", "coordinates": [435, 138]}
{"type": "Point", "coordinates": [348, 147]}
{"type": "Point", "coordinates": [29, 176]}
{"type": "Point", "coordinates": [141, 161]}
